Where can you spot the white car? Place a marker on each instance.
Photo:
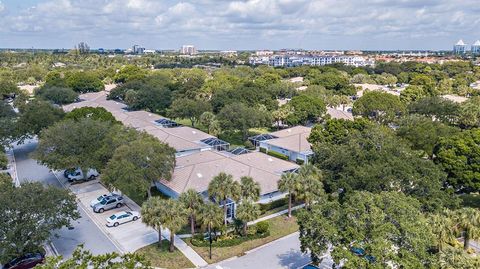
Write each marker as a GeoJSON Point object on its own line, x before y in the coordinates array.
{"type": "Point", "coordinates": [77, 175]}
{"type": "Point", "coordinates": [122, 217]}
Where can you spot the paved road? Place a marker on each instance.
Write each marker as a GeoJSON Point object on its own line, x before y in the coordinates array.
{"type": "Point", "coordinates": [84, 230]}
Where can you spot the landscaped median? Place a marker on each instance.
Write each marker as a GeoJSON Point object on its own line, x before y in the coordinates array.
{"type": "Point", "coordinates": [278, 227]}
{"type": "Point", "coordinates": [162, 258]}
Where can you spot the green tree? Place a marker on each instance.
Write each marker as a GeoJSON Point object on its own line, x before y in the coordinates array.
{"type": "Point", "coordinates": [250, 189]}
{"type": "Point", "coordinates": [442, 227]}
{"type": "Point", "coordinates": [83, 82]}
{"type": "Point", "coordinates": [374, 159]}
{"type": "Point", "coordinates": [247, 211]}
{"type": "Point", "coordinates": [207, 118]}
{"type": "Point", "coordinates": [129, 73]}
{"type": "Point", "coordinates": [211, 217]}
{"type": "Point", "coordinates": [57, 95]}
{"type": "Point", "coordinates": [310, 185]}
{"type": "Point", "coordinates": [305, 109]}
{"type": "Point", "coordinates": [36, 116]}
{"type": "Point", "coordinates": [388, 226]}
{"type": "Point", "coordinates": [239, 116]}
{"type": "Point", "coordinates": [152, 211]}
{"type": "Point", "coordinates": [86, 143]}
{"type": "Point", "coordinates": [469, 114]}
{"type": "Point", "coordinates": [84, 259]}
{"type": "Point", "coordinates": [289, 183]}
{"type": "Point", "coordinates": [332, 81]}
{"type": "Point", "coordinates": [188, 109]}
{"type": "Point", "coordinates": [193, 202]}
{"type": "Point", "coordinates": [423, 133]}
{"type": "Point", "coordinates": [379, 106]}
{"type": "Point", "coordinates": [136, 166]}
{"type": "Point", "coordinates": [437, 108]}
{"type": "Point", "coordinates": [281, 115]}
{"type": "Point", "coordinates": [173, 216]}
{"type": "Point", "coordinates": [7, 88]}
{"type": "Point", "coordinates": [412, 93]}
{"type": "Point", "coordinates": [30, 214]}
{"type": "Point", "coordinates": [94, 113]}
{"type": "Point", "coordinates": [223, 187]}
{"type": "Point", "coordinates": [8, 119]}
{"type": "Point", "coordinates": [458, 155]}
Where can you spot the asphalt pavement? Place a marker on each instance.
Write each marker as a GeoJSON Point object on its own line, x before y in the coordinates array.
{"type": "Point", "coordinates": [84, 229]}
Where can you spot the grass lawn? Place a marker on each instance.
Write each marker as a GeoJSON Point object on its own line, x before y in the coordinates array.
{"type": "Point", "coordinates": [161, 257]}
{"type": "Point", "coordinates": [471, 200]}
{"type": "Point", "coordinates": [279, 227]}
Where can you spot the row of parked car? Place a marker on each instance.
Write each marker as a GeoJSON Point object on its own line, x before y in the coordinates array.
{"type": "Point", "coordinates": [109, 201]}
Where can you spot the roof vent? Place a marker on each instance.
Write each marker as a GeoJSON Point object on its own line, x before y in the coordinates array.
{"type": "Point", "coordinates": [289, 130]}
{"type": "Point", "coordinates": [194, 132]}
{"type": "Point", "coordinates": [270, 159]}
{"type": "Point", "coordinates": [199, 175]}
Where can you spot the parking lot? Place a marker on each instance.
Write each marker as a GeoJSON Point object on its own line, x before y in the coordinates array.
{"type": "Point", "coordinates": [127, 237]}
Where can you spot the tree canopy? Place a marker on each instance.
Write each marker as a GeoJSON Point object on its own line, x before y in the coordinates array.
{"type": "Point", "coordinates": [379, 106]}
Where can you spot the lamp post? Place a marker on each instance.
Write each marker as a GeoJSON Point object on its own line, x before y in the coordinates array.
{"type": "Point", "coordinates": [210, 239]}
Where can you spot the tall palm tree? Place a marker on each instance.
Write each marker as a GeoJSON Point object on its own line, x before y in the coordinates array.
{"type": "Point", "coordinates": [310, 183]}
{"type": "Point", "coordinates": [192, 201]}
{"type": "Point", "coordinates": [250, 189]}
{"type": "Point", "coordinates": [152, 215]}
{"type": "Point", "coordinates": [468, 221]}
{"type": "Point", "coordinates": [211, 217]}
{"type": "Point", "coordinates": [174, 215]}
{"type": "Point", "coordinates": [223, 187]}
{"type": "Point", "coordinates": [247, 211]}
{"type": "Point", "coordinates": [289, 183]}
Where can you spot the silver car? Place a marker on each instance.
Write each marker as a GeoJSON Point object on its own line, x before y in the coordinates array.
{"type": "Point", "coordinates": [122, 217]}
{"type": "Point", "coordinates": [114, 201]}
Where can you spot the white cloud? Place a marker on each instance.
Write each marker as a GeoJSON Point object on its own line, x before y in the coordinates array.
{"type": "Point", "coordinates": [248, 23]}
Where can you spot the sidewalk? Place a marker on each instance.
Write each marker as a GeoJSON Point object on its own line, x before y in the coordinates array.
{"type": "Point", "coordinates": [12, 166]}
{"type": "Point", "coordinates": [279, 213]}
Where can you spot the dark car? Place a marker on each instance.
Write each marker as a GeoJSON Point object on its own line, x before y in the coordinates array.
{"type": "Point", "coordinates": [25, 262]}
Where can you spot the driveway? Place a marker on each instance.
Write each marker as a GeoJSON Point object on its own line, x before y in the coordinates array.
{"type": "Point", "coordinates": [282, 253]}
{"type": "Point", "coordinates": [84, 231]}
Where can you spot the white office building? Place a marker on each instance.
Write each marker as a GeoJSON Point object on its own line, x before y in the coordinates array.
{"type": "Point", "coordinates": [476, 47]}
{"type": "Point", "coordinates": [188, 50]}
{"type": "Point", "coordinates": [460, 47]}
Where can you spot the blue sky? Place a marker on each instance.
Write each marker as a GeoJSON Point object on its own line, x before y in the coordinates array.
{"type": "Point", "coordinates": [240, 24]}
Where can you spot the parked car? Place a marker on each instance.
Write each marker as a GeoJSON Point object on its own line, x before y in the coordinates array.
{"type": "Point", "coordinates": [107, 203]}
{"type": "Point", "coordinates": [100, 198]}
{"type": "Point", "coordinates": [77, 175]}
{"type": "Point", "coordinates": [122, 217]}
{"type": "Point", "coordinates": [25, 262]}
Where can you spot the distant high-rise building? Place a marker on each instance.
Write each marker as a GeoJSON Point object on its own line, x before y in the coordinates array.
{"type": "Point", "coordinates": [188, 49]}
{"type": "Point", "coordinates": [460, 47]}
{"type": "Point", "coordinates": [476, 47]}
{"type": "Point", "coordinates": [136, 49]}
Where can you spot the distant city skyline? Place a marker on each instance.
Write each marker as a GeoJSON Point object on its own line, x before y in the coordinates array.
{"type": "Point", "coordinates": [240, 25]}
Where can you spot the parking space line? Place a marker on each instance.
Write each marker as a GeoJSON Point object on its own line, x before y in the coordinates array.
{"type": "Point", "coordinates": [88, 213]}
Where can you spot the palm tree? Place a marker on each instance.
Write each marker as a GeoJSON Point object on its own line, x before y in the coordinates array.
{"type": "Point", "coordinates": [250, 189]}
{"type": "Point", "coordinates": [152, 215]}
{"type": "Point", "coordinates": [223, 187]}
{"type": "Point", "coordinates": [192, 201]}
{"type": "Point", "coordinates": [442, 227]}
{"type": "Point", "coordinates": [174, 215]}
{"type": "Point", "coordinates": [247, 211]}
{"type": "Point", "coordinates": [310, 183]}
{"type": "Point", "coordinates": [211, 217]}
{"type": "Point", "coordinates": [468, 221]}
{"type": "Point", "coordinates": [288, 183]}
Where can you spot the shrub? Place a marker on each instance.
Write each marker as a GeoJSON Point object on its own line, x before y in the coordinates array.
{"type": "Point", "coordinates": [274, 204]}
{"type": "Point", "coordinates": [262, 227]}
{"type": "Point", "coordinates": [300, 161]}
{"type": "Point", "coordinates": [3, 160]}
{"type": "Point", "coordinates": [277, 155]}
{"type": "Point", "coordinates": [227, 241]}
{"type": "Point", "coordinates": [264, 150]}
{"type": "Point", "coordinates": [248, 145]}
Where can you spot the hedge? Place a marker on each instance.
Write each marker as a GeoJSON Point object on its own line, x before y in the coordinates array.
{"type": "Point", "coordinates": [278, 155]}
{"type": "Point", "coordinates": [198, 240]}
{"type": "Point", "coordinates": [300, 161]}
{"type": "Point", "coordinates": [264, 150]}
{"type": "Point", "coordinates": [274, 204]}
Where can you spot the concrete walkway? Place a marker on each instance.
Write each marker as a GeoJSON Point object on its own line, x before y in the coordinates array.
{"type": "Point", "coordinates": [279, 213]}
{"type": "Point", "coordinates": [12, 166]}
